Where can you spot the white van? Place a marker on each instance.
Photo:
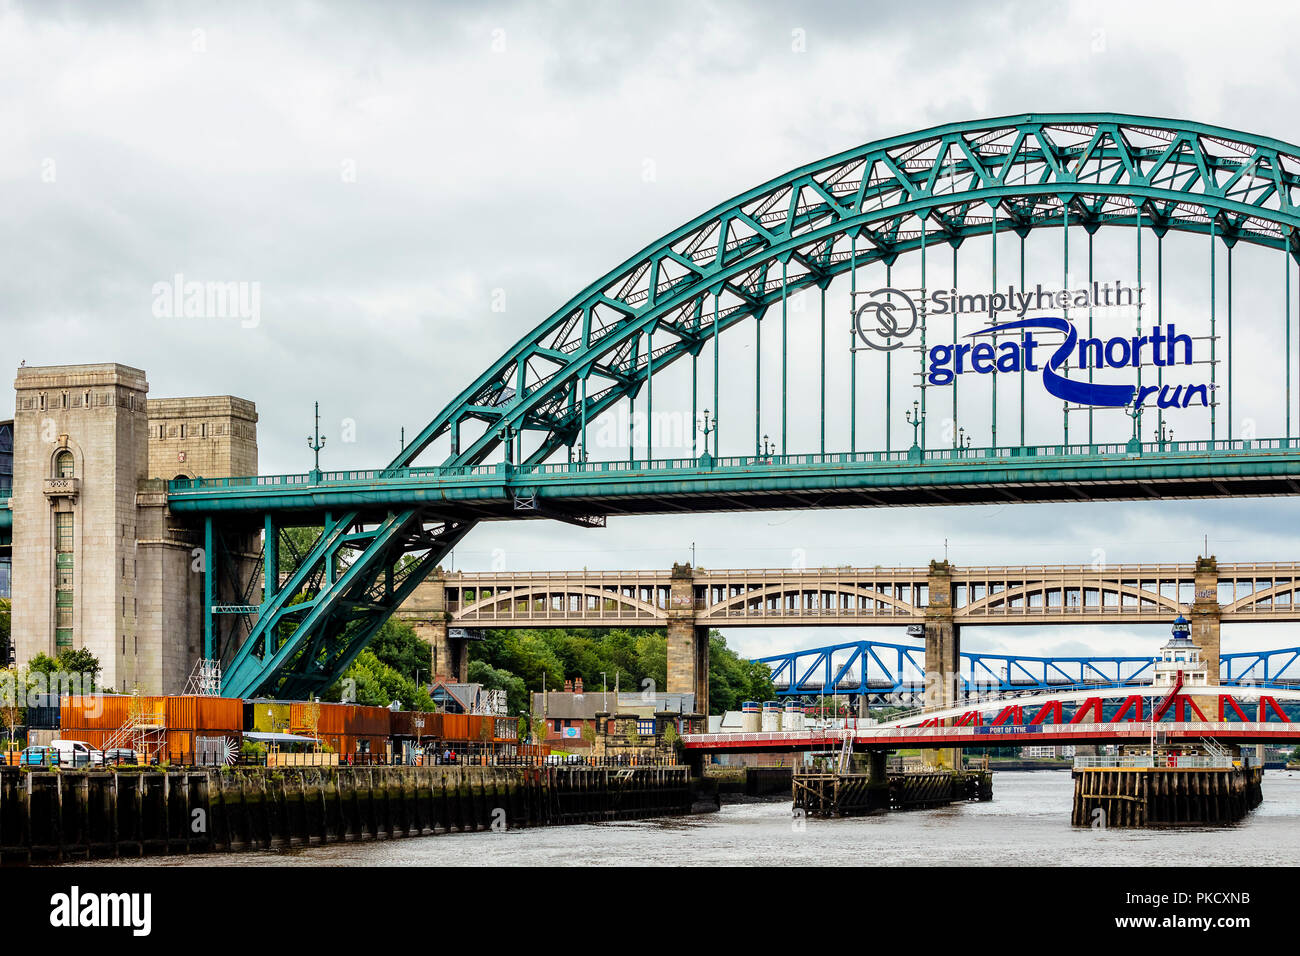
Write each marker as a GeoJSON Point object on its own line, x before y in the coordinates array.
{"type": "Point", "coordinates": [76, 753]}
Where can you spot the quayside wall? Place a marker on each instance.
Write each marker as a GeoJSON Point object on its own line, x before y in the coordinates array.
{"type": "Point", "coordinates": [52, 816]}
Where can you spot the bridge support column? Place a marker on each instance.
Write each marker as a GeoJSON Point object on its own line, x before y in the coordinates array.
{"type": "Point", "coordinates": [942, 654]}
{"type": "Point", "coordinates": [878, 766]}
{"type": "Point", "coordinates": [427, 612]}
{"type": "Point", "coordinates": [450, 657]}
{"type": "Point", "coordinates": [1205, 615]}
{"type": "Point", "coordinates": [688, 643]}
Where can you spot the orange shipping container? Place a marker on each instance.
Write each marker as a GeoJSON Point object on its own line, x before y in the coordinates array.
{"type": "Point", "coordinates": [455, 727]}
{"type": "Point", "coordinates": [402, 724]}
{"type": "Point", "coordinates": [367, 721]}
{"type": "Point", "coordinates": [329, 718]}
{"type": "Point", "coordinates": [204, 713]}
{"type": "Point", "coordinates": [95, 738]}
{"type": "Point", "coordinates": [351, 719]}
{"type": "Point", "coordinates": [100, 711]}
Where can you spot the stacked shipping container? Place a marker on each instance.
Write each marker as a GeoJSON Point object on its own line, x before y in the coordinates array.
{"type": "Point", "coordinates": [176, 723]}
{"type": "Point", "coordinates": [172, 725]}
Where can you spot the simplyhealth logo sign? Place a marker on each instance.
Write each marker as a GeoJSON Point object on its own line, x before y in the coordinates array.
{"type": "Point", "coordinates": [1164, 347]}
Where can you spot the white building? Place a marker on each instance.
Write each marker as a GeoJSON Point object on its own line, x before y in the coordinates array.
{"type": "Point", "coordinates": [1180, 654]}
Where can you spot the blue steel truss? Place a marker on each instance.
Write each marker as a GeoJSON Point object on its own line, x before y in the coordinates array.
{"type": "Point", "coordinates": [879, 668]}
{"type": "Point", "coordinates": [1276, 668]}
{"type": "Point", "coordinates": [731, 265]}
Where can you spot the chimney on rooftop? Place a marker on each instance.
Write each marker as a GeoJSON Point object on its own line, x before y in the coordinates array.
{"type": "Point", "coordinates": [577, 685]}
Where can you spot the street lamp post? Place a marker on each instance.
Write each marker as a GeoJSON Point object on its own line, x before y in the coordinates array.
{"type": "Point", "coordinates": [708, 430]}
{"type": "Point", "coordinates": [316, 444]}
{"type": "Point", "coordinates": [916, 420]}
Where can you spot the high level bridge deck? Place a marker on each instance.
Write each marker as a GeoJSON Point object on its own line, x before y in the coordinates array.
{"type": "Point", "coordinates": [1044, 594]}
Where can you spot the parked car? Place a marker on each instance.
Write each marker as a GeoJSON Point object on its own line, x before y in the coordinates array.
{"type": "Point", "coordinates": [37, 757]}
{"type": "Point", "coordinates": [77, 753]}
{"type": "Point", "coordinates": [120, 755]}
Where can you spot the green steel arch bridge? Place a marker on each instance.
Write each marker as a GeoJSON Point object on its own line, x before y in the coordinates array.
{"type": "Point", "coordinates": [515, 442]}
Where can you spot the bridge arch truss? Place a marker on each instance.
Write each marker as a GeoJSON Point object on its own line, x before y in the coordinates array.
{"type": "Point", "coordinates": [733, 264]}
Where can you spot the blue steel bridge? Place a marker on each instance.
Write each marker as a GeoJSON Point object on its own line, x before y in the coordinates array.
{"type": "Point", "coordinates": [889, 215]}
{"type": "Point", "coordinates": [889, 673]}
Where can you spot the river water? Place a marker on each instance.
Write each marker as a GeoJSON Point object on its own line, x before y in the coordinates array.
{"type": "Point", "coordinates": [1026, 823]}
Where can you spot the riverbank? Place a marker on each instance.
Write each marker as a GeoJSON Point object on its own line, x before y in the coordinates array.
{"type": "Point", "coordinates": [55, 816]}
{"type": "Point", "coordinates": [1026, 825]}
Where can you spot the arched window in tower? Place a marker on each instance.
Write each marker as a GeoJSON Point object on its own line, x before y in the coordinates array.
{"type": "Point", "coordinates": [63, 465]}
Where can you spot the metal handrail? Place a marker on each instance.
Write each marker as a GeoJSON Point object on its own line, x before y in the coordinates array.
{"type": "Point", "coordinates": [1001, 453]}
{"type": "Point", "coordinates": [866, 734]}
{"type": "Point", "coordinates": [1182, 761]}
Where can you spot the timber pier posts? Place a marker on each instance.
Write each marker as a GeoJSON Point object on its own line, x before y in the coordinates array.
{"type": "Point", "coordinates": [1164, 796]}
{"type": "Point", "coordinates": [53, 816]}
{"type": "Point", "coordinates": [822, 793]}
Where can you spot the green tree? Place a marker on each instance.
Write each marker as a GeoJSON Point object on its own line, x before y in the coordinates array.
{"type": "Point", "coordinates": [626, 656]}
{"type": "Point", "coordinates": [294, 544]}
{"type": "Point", "coordinates": [397, 645]}
{"type": "Point", "coordinates": [80, 661]}
{"type": "Point", "coordinates": [492, 678]}
{"type": "Point", "coordinates": [14, 686]}
{"type": "Point", "coordinates": [42, 663]}
{"type": "Point", "coordinates": [732, 679]}
{"type": "Point", "coordinates": [378, 685]}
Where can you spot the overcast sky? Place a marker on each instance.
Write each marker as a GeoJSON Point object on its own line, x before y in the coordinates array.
{"type": "Point", "coordinates": [384, 172]}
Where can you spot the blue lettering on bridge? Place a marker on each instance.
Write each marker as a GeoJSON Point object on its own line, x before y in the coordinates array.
{"type": "Point", "coordinates": [1165, 346]}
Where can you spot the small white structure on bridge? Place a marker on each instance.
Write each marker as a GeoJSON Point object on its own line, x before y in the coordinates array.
{"type": "Point", "coordinates": [1180, 654]}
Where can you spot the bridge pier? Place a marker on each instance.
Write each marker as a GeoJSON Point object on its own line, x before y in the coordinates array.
{"type": "Point", "coordinates": [1205, 616]}
{"type": "Point", "coordinates": [426, 611]}
{"type": "Point", "coordinates": [688, 643]}
{"type": "Point", "coordinates": [942, 654]}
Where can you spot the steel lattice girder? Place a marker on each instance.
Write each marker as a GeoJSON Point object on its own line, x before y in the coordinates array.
{"type": "Point", "coordinates": [891, 196]}
{"type": "Point", "coordinates": [877, 667]}
{"type": "Point", "coordinates": [308, 631]}
{"type": "Point", "coordinates": [1023, 171]}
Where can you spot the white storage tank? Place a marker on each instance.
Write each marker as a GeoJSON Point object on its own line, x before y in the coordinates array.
{"type": "Point", "coordinates": [792, 719]}
{"type": "Point", "coordinates": [750, 717]}
{"type": "Point", "coordinates": [771, 716]}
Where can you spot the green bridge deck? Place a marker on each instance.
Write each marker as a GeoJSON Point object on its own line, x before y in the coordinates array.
{"type": "Point", "coordinates": [944, 476]}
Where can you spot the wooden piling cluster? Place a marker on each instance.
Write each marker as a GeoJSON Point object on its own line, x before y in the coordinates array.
{"type": "Point", "coordinates": [1164, 796]}
{"type": "Point", "coordinates": [50, 816]}
{"type": "Point", "coordinates": [937, 788]}
{"type": "Point", "coordinates": [851, 794]}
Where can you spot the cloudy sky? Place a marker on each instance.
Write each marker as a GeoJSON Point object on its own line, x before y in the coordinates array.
{"type": "Point", "coordinates": [387, 172]}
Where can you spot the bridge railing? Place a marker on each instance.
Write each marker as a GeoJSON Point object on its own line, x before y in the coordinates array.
{"type": "Point", "coordinates": [1151, 760]}
{"type": "Point", "coordinates": [1129, 729]}
{"type": "Point", "coordinates": [904, 457]}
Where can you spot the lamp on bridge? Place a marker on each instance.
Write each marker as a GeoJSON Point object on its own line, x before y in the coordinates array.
{"type": "Point", "coordinates": [768, 448]}
{"type": "Point", "coordinates": [1166, 436]}
{"type": "Point", "coordinates": [1135, 443]}
{"type": "Point", "coordinates": [916, 420]}
{"type": "Point", "coordinates": [707, 459]}
{"type": "Point", "coordinates": [316, 445]}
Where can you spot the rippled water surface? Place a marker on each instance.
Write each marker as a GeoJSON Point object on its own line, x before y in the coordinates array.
{"type": "Point", "coordinates": [1027, 822]}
